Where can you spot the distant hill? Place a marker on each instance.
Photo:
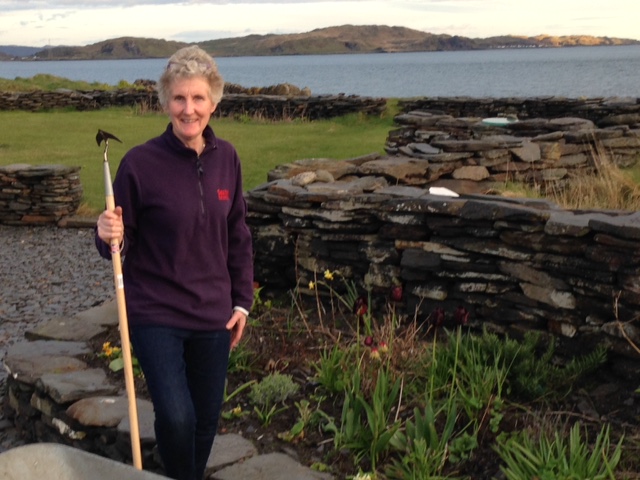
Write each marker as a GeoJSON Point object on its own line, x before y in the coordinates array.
{"type": "Point", "coordinates": [383, 39]}
{"type": "Point", "coordinates": [333, 40]}
{"type": "Point", "coordinates": [10, 51]}
{"type": "Point", "coordinates": [117, 48]}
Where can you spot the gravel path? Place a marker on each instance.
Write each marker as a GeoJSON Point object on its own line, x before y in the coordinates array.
{"type": "Point", "coordinates": [46, 272]}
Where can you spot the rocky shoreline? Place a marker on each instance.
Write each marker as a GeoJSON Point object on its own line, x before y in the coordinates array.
{"type": "Point", "coordinates": [47, 272]}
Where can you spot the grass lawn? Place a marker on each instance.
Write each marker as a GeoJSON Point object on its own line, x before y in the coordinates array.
{"type": "Point", "coordinates": [68, 138]}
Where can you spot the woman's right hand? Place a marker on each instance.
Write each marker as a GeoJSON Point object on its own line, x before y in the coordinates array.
{"type": "Point", "coordinates": [111, 226]}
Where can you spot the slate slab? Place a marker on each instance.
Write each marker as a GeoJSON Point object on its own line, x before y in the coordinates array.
{"type": "Point", "coordinates": [227, 450]}
{"type": "Point", "coordinates": [69, 387]}
{"type": "Point", "coordinates": [81, 327]}
{"type": "Point", "coordinates": [272, 466]}
{"type": "Point", "coordinates": [103, 411]}
{"type": "Point", "coordinates": [55, 461]}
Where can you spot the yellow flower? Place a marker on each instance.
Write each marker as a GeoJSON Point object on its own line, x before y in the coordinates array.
{"type": "Point", "coordinates": [328, 275]}
{"type": "Point", "coordinates": [109, 351]}
{"type": "Point", "coordinates": [237, 410]}
{"type": "Point", "coordinates": [312, 285]}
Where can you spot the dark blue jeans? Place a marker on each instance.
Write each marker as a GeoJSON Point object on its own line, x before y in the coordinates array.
{"type": "Point", "coordinates": [185, 372]}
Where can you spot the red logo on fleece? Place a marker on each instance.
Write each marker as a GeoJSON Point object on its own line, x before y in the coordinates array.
{"type": "Point", "coordinates": [223, 194]}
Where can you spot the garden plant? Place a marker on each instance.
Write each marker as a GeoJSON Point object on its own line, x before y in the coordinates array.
{"type": "Point", "coordinates": [366, 393]}
{"type": "Point", "coordinates": [332, 371]}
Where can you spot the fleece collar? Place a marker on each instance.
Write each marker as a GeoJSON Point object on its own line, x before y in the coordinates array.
{"type": "Point", "coordinates": [176, 144]}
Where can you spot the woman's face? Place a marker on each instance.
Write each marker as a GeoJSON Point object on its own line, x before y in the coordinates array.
{"type": "Point", "coordinates": [189, 109]}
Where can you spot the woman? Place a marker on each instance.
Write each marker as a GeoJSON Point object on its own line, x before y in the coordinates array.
{"type": "Point", "coordinates": [188, 266]}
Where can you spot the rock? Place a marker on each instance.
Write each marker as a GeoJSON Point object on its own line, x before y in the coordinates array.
{"type": "Point", "coordinates": [406, 170]}
{"type": "Point", "coordinates": [274, 466]}
{"type": "Point", "coordinates": [471, 173]}
{"type": "Point", "coordinates": [624, 226]}
{"type": "Point", "coordinates": [324, 176]}
{"type": "Point", "coordinates": [227, 450]}
{"type": "Point", "coordinates": [622, 142]}
{"type": "Point", "coordinates": [464, 145]}
{"type": "Point", "coordinates": [423, 148]}
{"type": "Point", "coordinates": [337, 168]}
{"type": "Point", "coordinates": [571, 123]}
{"type": "Point", "coordinates": [623, 119]}
{"type": "Point", "coordinates": [304, 178]}
{"type": "Point", "coordinates": [550, 296]}
{"type": "Point", "coordinates": [69, 387]}
{"type": "Point", "coordinates": [28, 369]}
{"type": "Point", "coordinates": [529, 152]}
{"type": "Point", "coordinates": [101, 411]}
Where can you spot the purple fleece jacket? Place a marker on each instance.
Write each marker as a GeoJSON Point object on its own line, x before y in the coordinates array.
{"type": "Point", "coordinates": [187, 252]}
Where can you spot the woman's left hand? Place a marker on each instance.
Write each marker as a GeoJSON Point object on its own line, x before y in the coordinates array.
{"type": "Point", "coordinates": [236, 324]}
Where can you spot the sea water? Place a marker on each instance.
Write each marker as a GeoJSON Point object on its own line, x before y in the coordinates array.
{"type": "Point", "coordinates": [570, 72]}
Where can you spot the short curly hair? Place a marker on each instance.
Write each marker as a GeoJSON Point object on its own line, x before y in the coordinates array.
{"type": "Point", "coordinates": [191, 62]}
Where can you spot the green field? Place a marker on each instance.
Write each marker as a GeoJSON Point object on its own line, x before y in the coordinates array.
{"type": "Point", "coordinates": [68, 138]}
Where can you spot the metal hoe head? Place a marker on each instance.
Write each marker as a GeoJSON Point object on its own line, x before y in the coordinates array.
{"type": "Point", "coordinates": [105, 136]}
{"type": "Point", "coordinates": [102, 135]}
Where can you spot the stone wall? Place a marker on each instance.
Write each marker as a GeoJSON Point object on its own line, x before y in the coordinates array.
{"type": "Point", "coordinates": [542, 152]}
{"type": "Point", "coordinates": [602, 111]}
{"type": "Point", "coordinates": [509, 264]}
{"type": "Point", "coordinates": [54, 394]}
{"type": "Point", "coordinates": [512, 264]}
{"type": "Point", "coordinates": [310, 107]}
{"type": "Point", "coordinates": [38, 194]}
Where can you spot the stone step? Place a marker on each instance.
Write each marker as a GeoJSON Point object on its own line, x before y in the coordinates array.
{"type": "Point", "coordinates": [48, 384]}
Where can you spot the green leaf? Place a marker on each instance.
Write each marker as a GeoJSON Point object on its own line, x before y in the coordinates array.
{"type": "Point", "coordinates": [117, 364]}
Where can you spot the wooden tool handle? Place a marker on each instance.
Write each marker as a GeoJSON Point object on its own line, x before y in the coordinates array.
{"type": "Point", "coordinates": [124, 329]}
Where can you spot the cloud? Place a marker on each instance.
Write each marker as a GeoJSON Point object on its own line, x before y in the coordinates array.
{"type": "Point", "coordinates": [58, 16]}
{"type": "Point", "coordinates": [82, 22]}
{"type": "Point", "coordinates": [16, 5]}
{"type": "Point", "coordinates": [203, 35]}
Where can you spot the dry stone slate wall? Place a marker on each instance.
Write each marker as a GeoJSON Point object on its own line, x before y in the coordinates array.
{"type": "Point", "coordinates": [451, 138]}
{"type": "Point", "coordinates": [509, 264]}
{"type": "Point", "coordinates": [602, 111]}
{"type": "Point", "coordinates": [38, 194]}
{"type": "Point", "coordinates": [311, 107]}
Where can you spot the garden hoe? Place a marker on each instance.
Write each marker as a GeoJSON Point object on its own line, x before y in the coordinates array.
{"type": "Point", "coordinates": [122, 308]}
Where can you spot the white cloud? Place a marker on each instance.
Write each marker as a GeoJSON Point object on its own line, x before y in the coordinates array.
{"type": "Point", "coordinates": [75, 22]}
{"type": "Point", "coordinates": [39, 4]}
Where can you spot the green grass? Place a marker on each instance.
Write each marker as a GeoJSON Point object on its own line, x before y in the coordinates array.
{"type": "Point", "coordinates": [47, 82]}
{"type": "Point", "coordinates": [68, 138]}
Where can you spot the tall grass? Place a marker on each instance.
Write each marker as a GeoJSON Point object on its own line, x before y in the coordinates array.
{"type": "Point", "coordinates": [68, 138]}
{"type": "Point", "coordinates": [609, 188]}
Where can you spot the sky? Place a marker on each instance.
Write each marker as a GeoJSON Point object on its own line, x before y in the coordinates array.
{"type": "Point", "coordinates": [39, 23]}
